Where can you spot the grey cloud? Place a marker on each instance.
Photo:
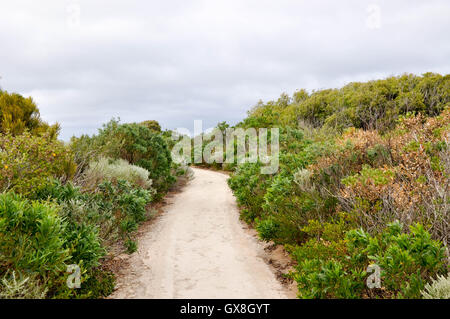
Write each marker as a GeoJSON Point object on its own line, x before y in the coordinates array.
{"type": "Point", "coordinates": [177, 61]}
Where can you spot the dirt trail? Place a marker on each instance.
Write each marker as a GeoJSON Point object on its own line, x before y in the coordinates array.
{"type": "Point", "coordinates": [198, 248]}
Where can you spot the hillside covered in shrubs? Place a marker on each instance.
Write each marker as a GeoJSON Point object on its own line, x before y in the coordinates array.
{"type": "Point", "coordinates": [363, 179]}
{"type": "Point", "coordinates": [71, 203]}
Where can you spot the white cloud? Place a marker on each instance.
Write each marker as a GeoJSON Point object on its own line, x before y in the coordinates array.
{"type": "Point", "coordinates": [176, 61]}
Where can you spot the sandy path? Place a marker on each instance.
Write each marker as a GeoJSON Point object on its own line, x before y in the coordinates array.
{"type": "Point", "coordinates": [198, 248]}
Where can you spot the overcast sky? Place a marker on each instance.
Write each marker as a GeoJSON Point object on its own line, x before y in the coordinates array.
{"type": "Point", "coordinates": [175, 61]}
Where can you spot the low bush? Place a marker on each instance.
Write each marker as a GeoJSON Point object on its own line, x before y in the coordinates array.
{"type": "Point", "coordinates": [16, 286]}
{"type": "Point", "coordinates": [249, 188]}
{"type": "Point", "coordinates": [439, 288]}
{"type": "Point", "coordinates": [113, 209]}
{"type": "Point", "coordinates": [34, 244]}
{"type": "Point", "coordinates": [113, 170]}
{"type": "Point", "coordinates": [334, 265]}
{"type": "Point", "coordinates": [267, 228]}
{"type": "Point", "coordinates": [94, 222]}
{"type": "Point", "coordinates": [32, 236]}
{"type": "Point", "coordinates": [91, 223]}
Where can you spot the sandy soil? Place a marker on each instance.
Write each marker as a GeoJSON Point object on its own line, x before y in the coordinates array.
{"type": "Point", "coordinates": [198, 248]}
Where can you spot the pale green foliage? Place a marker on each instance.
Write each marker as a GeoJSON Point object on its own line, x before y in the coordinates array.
{"type": "Point", "coordinates": [189, 173]}
{"type": "Point", "coordinates": [438, 289]}
{"type": "Point", "coordinates": [302, 177]}
{"type": "Point", "coordinates": [18, 287]}
{"type": "Point", "coordinates": [185, 170]}
{"type": "Point", "coordinates": [106, 169]}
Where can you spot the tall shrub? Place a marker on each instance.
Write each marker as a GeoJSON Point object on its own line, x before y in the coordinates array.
{"type": "Point", "coordinates": [29, 162]}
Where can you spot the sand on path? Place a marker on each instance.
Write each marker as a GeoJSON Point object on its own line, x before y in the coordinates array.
{"type": "Point", "coordinates": [198, 248]}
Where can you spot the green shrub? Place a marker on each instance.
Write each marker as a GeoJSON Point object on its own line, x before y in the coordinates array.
{"type": "Point", "coordinates": [358, 149]}
{"type": "Point", "coordinates": [135, 143]}
{"type": "Point", "coordinates": [334, 265]}
{"type": "Point", "coordinates": [55, 190]}
{"type": "Point", "coordinates": [32, 236]}
{"type": "Point", "coordinates": [407, 260]}
{"type": "Point", "coordinates": [144, 148]}
{"type": "Point", "coordinates": [107, 143]}
{"type": "Point", "coordinates": [28, 163]}
{"type": "Point", "coordinates": [19, 114]}
{"type": "Point", "coordinates": [287, 198]}
{"type": "Point", "coordinates": [34, 243]}
{"type": "Point", "coordinates": [329, 279]}
{"type": "Point", "coordinates": [322, 270]}
{"type": "Point", "coordinates": [114, 210]}
{"type": "Point", "coordinates": [290, 215]}
{"type": "Point", "coordinates": [282, 187]}
{"type": "Point", "coordinates": [81, 232]}
{"type": "Point", "coordinates": [84, 244]}
{"type": "Point", "coordinates": [249, 188]}
{"type": "Point", "coordinates": [93, 223]}
{"type": "Point", "coordinates": [131, 202]}
{"type": "Point", "coordinates": [267, 228]}
{"type": "Point", "coordinates": [113, 170]}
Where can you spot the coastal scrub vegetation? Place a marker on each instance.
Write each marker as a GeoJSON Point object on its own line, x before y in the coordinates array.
{"type": "Point", "coordinates": [363, 179]}
{"type": "Point", "coordinates": [76, 203]}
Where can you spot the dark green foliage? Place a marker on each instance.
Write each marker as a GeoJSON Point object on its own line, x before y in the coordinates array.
{"type": "Point", "coordinates": [334, 264]}
{"type": "Point", "coordinates": [267, 228]}
{"type": "Point", "coordinates": [407, 260]}
{"type": "Point", "coordinates": [84, 244]}
{"type": "Point", "coordinates": [135, 143]}
{"type": "Point", "coordinates": [93, 222]}
{"type": "Point", "coordinates": [146, 149]}
{"type": "Point", "coordinates": [36, 241]}
{"type": "Point", "coordinates": [278, 197]}
{"type": "Point", "coordinates": [32, 236]}
{"type": "Point", "coordinates": [249, 188]}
